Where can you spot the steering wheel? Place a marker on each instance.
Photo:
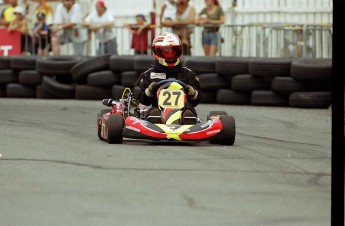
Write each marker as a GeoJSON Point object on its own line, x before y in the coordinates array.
{"type": "Point", "coordinates": [165, 81]}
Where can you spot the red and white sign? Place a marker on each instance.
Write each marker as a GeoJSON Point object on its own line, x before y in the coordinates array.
{"type": "Point", "coordinates": [9, 42]}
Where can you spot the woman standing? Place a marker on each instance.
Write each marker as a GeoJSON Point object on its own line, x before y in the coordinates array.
{"type": "Point", "coordinates": [211, 17]}
{"type": "Point", "coordinates": [185, 15]}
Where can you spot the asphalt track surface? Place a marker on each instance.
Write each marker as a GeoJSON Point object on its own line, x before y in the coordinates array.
{"type": "Point", "coordinates": [55, 171]}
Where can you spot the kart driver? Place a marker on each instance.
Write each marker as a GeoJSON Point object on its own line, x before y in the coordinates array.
{"type": "Point", "coordinates": [167, 53]}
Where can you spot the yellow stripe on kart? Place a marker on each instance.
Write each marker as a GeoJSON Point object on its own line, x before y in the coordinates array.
{"type": "Point", "coordinates": [174, 117]}
{"type": "Point", "coordinates": [173, 133]}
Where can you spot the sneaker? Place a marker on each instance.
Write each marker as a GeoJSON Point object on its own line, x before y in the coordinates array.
{"type": "Point", "coordinates": [188, 118]}
{"type": "Point", "coordinates": [154, 116]}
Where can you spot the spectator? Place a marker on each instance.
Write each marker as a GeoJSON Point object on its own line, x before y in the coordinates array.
{"type": "Point", "coordinates": [102, 23]}
{"type": "Point", "coordinates": [7, 15]}
{"type": "Point", "coordinates": [139, 32]}
{"type": "Point", "coordinates": [68, 17]}
{"type": "Point", "coordinates": [41, 35]}
{"type": "Point", "coordinates": [44, 7]}
{"type": "Point", "coordinates": [211, 16]}
{"type": "Point", "coordinates": [185, 15]}
{"type": "Point", "coordinates": [168, 12]}
{"type": "Point", "coordinates": [21, 25]}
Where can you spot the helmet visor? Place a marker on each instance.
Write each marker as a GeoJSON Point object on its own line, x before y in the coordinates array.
{"type": "Point", "coordinates": [170, 52]}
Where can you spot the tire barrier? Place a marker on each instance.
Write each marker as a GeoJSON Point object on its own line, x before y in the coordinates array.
{"type": "Point", "coordinates": [285, 82]}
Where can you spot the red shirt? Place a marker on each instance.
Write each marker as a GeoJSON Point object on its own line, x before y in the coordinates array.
{"type": "Point", "coordinates": [140, 41]}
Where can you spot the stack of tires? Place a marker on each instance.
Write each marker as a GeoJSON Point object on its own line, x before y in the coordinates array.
{"type": "Point", "coordinates": [302, 83]}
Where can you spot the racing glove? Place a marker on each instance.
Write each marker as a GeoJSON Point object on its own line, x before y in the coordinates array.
{"type": "Point", "coordinates": [107, 102]}
{"type": "Point", "coordinates": [149, 90]}
{"type": "Point", "coordinates": [191, 93]}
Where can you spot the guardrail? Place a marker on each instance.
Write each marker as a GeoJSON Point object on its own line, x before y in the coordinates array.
{"type": "Point", "coordinates": [250, 40]}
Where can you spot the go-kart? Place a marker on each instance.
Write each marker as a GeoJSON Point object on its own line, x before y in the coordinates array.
{"type": "Point", "coordinates": [128, 118]}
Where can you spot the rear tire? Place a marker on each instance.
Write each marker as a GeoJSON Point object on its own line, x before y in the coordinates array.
{"type": "Point", "coordinates": [99, 122]}
{"type": "Point", "coordinates": [115, 127]}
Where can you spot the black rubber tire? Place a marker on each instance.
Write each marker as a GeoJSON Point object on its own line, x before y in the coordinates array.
{"type": "Point", "coordinates": [289, 85]}
{"type": "Point", "coordinates": [56, 65]}
{"type": "Point", "coordinates": [116, 91]}
{"type": "Point", "coordinates": [130, 78]}
{"type": "Point", "coordinates": [85, 92]}
{"type": "Point", "coordinates": [136, 92]}
{"type": "Point", "coordinates": [8, 76]}
{"type": "Point", "coordinates": [214, 81]}
{"type": "Point", "coordinates": [270, 67]}
{"type": "Point", "coordinates": [20, 91]}
{"type": "Point", "coordinates": [55, 88]}
{"type": "Point", "coordinates": [83, 68]}
{"type": "Point", "coordinates": [228, 134]}
{"type": "Point", "coordinates": [103, 79]}
{"type": "Point", "coordinates": [2, 90]}
{"type": "Point", "coordinates": [208, 97]}
{"type": "Point", "coordinates": [99, 126]}
{"type": "Point", "coordinates": [115, 125]}
{"type": "Point", "coordinates": [42, 94]}
{"type": "Point", "coordinates": [227, 96]}
{"type": "Point", "coordinates": [201, 64]}
{"type": "Point", "coordinates": [268, 98]}
{"type": "Point", "coordinates": [310, 99]}
{"type": "Point", "coordinates": [5, 62]}
{"type": "Point", "coordinates": [19, 63]}
{"type": "Point", "coordinates": [29, 78]}
{"type": "Point", "coordinates": [311, 69]}
{"type": "Point", "coordinates": [232, 66]}
{"type": "Point", "coordinates": [247, 83]}
{"type": "Point", "coordinates": [142, 63]}
{"type": "Point", "coordinates": [120, 63]}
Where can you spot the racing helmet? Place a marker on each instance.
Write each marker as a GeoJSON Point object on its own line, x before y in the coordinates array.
{"type": "Point", "coordinates": [167, 49]}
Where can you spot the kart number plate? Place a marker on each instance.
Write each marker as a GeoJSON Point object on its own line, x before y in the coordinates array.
{"type": "Point", "coordinates": [171, 99]}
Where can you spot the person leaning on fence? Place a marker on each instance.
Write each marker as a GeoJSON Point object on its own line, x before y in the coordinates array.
{"type": "Point", "coordinates": [68, 18]}
{"type": "Point", "coordinates": [7, 14]}
{"type": "Point", "coordinates": [168, 11]}
{"type": "Point", "coordinates": [185, 15]}
{"type": "Point", "coordinates": [20, 24]}
{"type": "Point", "coordinates": [41, 35]}
{"type": "Point", "coordinates": [44, 7]}
{"type": "Point", "coordinates": [102, 22]}
{"type": "Point", "coordinates": [139, 32]}
{"type": "Point", "coordinates": [211, 17]}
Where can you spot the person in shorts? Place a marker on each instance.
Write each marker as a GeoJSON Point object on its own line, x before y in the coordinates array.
{"type": "Point", "coordinates": [41, 35]}
{"type": "Point", "coordinates": [101, 22]}
{"type": "Point", "coordinates": [68, 28]}
{"type": "Point", "coordinates": [211, 17]}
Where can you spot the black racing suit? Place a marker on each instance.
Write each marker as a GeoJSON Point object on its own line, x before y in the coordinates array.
{"type": "Point", "coordinates": [178, 72]}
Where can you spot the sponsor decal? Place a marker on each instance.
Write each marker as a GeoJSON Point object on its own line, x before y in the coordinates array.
{"type": "Point", "coordinates": [213, 131]}
{"type": "Point", "coordinates": [154, 75]}
{"type": "Point", "coordinates": [207, 124]}
{"type": "Point", "coordinates": [132, 128]}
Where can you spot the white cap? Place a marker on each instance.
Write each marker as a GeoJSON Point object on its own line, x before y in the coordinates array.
{"type": "Point", "coordinates": [19, 10]}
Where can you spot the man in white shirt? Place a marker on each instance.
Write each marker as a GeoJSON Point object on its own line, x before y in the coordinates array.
{"type": "Point", "coordinates": [68, 17]}
{"type": "Point", "coordinates": [101, 22]}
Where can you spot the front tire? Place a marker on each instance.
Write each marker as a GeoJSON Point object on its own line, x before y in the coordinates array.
{"type": "Point", "coordinates": [99, 122]}
{"type": "Point", "coordinates": [229, 130]}
{"type": "Point", "coordinates": [115, 127]}
{"type": "Point", "coordinates": [228, 133]}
